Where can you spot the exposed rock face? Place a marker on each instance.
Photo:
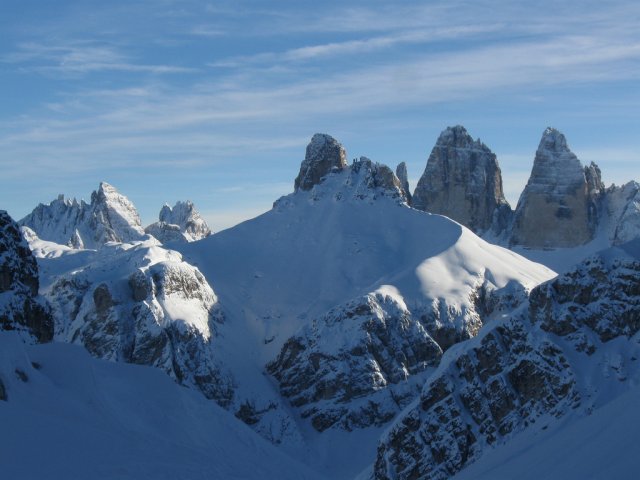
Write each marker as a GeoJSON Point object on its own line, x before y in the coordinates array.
{"type": "Point", "coordinates": [541, 363]}
{"type": "Point", "coordinates": [110, 217]}
{"type": "Point", "coordinates": [352, 367]}
{"type": "Point", "coordinates": [559, 205]}
{"type": "Point", "coordinates": [144, 305]}
{"type": "Point", "coordinates": [463, 181]}
{"type": "Point", "coordinates": [179, 224]}
{"type": "Point", "coordinates": [363, 362]}
{"type": "Point", "coordinates": [324, 154]}
{"type": "Point", "coordinates": [623, 212]}
{"type": "Point", "coordinates": [401, 173]}
{"type": "Point", "coordinates": [21, 308]}
{"type": "Point", "coordinates": [364, 180]}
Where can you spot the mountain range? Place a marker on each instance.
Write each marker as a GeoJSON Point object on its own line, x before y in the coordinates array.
{"type": "Point", "coordinates": [360, 329]}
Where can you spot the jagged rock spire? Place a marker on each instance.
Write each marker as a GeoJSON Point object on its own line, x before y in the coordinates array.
{"type": "Point", "coordinates": [324, 154]}
{"type": "Point", "coordinates": [558, 207]}
{"type": "Point", "coordinates": [401, 173]}
{"type": "Point", "coordinates": [463, 181]}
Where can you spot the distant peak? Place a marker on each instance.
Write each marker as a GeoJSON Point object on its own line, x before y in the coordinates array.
{"type": "Point", "coordinates": [553, 139]}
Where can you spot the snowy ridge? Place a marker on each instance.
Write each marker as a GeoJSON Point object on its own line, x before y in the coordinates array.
{"type": "Point", "coordinates": [573, 350]}
{"type": "Point", "coordinates": [110, 217]}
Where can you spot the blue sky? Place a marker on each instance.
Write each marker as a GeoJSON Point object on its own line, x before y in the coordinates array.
{"type": "Point", "coordinates": [216, 101]}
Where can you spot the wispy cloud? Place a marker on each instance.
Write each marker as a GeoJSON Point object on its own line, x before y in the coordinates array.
{"type": "Point", "coordinates": [80, 58]}
{"type": "Point", "coordinates": [370, 71]}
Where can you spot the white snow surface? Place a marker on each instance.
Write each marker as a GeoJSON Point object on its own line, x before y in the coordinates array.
{"type": "Point", "coordinates": [72, 416]}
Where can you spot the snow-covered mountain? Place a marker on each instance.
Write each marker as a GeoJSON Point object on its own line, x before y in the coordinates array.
{"type": "Point", "coordinates": [136, 303]}
{"type": "Point", "coordinates": [571, 350]}
{"type": "Point", "coordinates": [340, 314]}
{"type": "Point", "coordinates": [21, 308]}
{"type": "Point", "coordinates": [347, 294]}
{"type": "Point", "coordinates": [182, 223]}
{"type": "Point", "coordinates": [109, 217]}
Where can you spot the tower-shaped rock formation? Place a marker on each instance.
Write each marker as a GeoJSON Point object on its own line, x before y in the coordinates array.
{"type": "Point", "coordinates": [324, 154]}
{"type": "Point", "coordinates": [558, 207]}
{"type": "Point", "coordinates": [463, 181]}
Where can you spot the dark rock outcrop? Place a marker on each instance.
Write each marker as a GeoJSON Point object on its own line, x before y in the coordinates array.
{"type": "Point", "coordinates": [20, 306]}
{"type": "Point", "coordinates": [401, 173]}
{"type": "Point", "coordinates": [324, 154]}
{"type": "Point", "coordinates": [463, 181]}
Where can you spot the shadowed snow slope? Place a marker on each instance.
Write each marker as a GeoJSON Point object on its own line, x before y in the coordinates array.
{"type": "Point", "coordinates": [67, 415]}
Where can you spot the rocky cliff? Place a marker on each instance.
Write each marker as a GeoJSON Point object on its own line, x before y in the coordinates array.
{"type": "Point", "coordinates": [559, 205]}
{"type": "Point", "coordinates": [401, 173]}
{"type": "Point", "coordinates": [21, 308]}
{"type": "Point", "coordinates": [110, 217]}
{"type": "Point", "coordinates": [462, 180]}
{"type": "Point", "coordinates": [569, 351]}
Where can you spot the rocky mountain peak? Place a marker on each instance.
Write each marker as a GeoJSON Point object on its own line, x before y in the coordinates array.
{"type": "Point", "coordinates": [110, 217]}
{"type": "Point", "coordinates": [324, 154]}
{"type": "Point", "coordinates": [401, 173]}
{"type": "Point", "coordinates": [180, 223]}
{"type": "Point", "coordinates": [458, 137]}
{"type": "Point", "coordinates": [558, 207]}
{"type": "Point", "coordinates": [463, 181]}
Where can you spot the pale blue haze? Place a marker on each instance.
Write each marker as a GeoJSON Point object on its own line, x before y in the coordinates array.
{"type": "Point", "coordinates": [215, 101]}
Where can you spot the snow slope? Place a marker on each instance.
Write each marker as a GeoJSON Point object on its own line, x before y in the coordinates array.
{"type": "Point", "coordinates": [67, 415]}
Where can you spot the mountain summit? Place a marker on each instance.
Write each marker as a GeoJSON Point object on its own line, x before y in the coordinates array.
{"type": "Point", "coordinates": [180, 223]}
{"type": "Point", "coordinates": [110, 217]}
{"type": "Point", "coordinates": [558, 207]}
